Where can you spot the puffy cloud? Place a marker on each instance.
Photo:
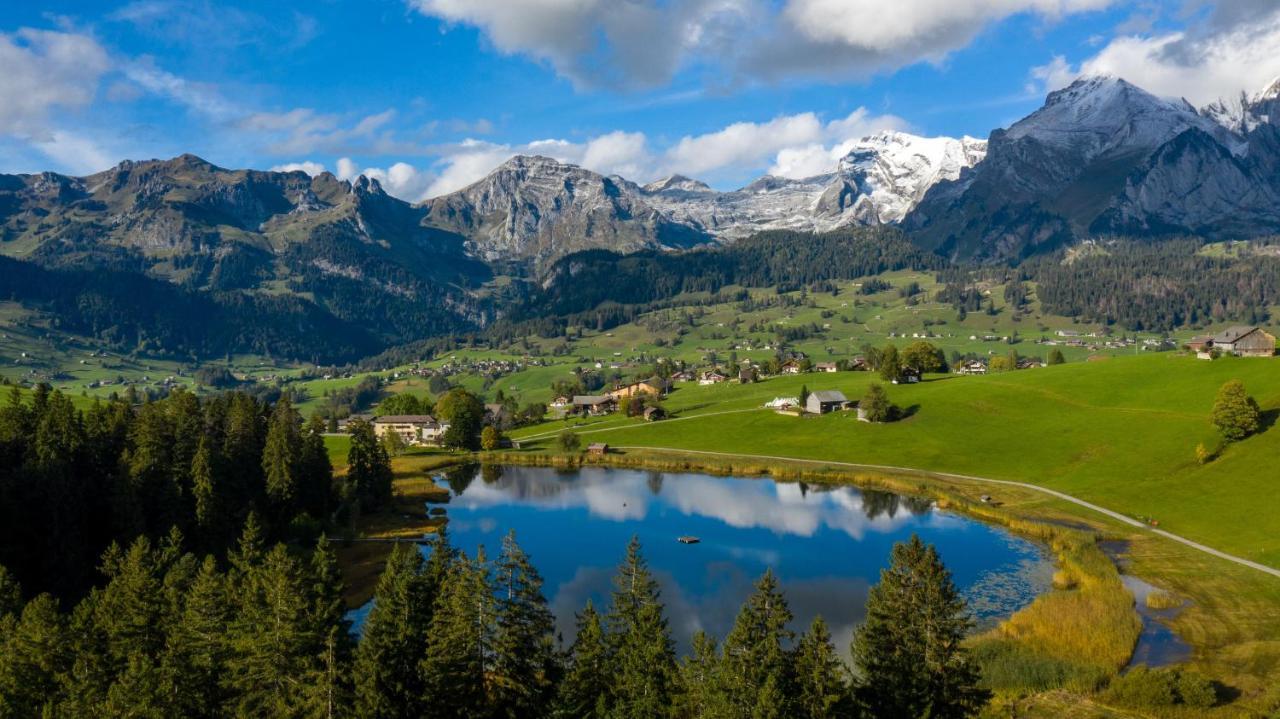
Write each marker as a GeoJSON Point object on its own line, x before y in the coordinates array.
{"type": "Point", "coordinates": [46, 70]}
{"type": "Point", "coordinates": [602, 42]}
{"type": "Point", "coordinates": [400, 180]}
{"type": "Point", "coordinates": [309, 167]}
{"type": "Point", "coordinates": [1231, 51]}
{"type": "Point", "coordinates": [74, 153]}
{"type": "Point", "coordinates": [645, 42]}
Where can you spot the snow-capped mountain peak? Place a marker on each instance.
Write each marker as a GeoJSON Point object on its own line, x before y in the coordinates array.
{"type": "Point", "coordinates": [677, 183]}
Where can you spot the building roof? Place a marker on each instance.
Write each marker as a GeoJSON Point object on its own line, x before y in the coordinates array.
{"type": "Point", "coordinates": [588, 400]}
{"type": "Point", "coordinates": [825, 364]}
{"type": "Point", "coordinates": [828, 395]}
{"type": "Point", "coordinates": [652, 410]}
{"type": "Point", "coordinates": [597, 447]}
{"type": "Point", "coordinates": [1233, 333]}
{"type": "Point", "coordinates": [405, 419]}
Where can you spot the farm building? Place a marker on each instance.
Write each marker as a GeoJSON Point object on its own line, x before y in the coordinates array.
{"type": "Point", "coordinates": [412, 428]}
{"type": "Point", "coordinates": [825, 400]}
{"type": "Point", "coordinates": [1245, 341]}
{"type": "Point", "coordinates": [972, 367]}
{"type": "Point", "coordinates": [594, 404]}
{"type": "Point", "coordinates": [653, 414]}
{"type": "Point", "coordinates": [859, 364]}
{"type": "Point", "coordinates": [713, 376]}
{"type": "Point", "coordinates": [791, 366]}
{"type": "Point", "coordinates": [825, 367]}
{"type": "Point", "coordinates": [597, 449]}
{"type": "Point", "coordinates": [783, 403]}
{"type": "Point", "coordinates": [909, 375]}
{"type": "Point", "coordinates": [746, 375]}
{"type": "Point", "coordinates": [655, 386]}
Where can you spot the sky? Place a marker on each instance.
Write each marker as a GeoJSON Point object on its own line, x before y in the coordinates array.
{"type": "Point", "coordinates": [428, 96]}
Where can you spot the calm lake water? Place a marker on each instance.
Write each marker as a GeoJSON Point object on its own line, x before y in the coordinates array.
{"type": "Point", "coordinates": [827, 545]}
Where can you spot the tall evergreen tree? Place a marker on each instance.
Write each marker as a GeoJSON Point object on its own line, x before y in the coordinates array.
{"type": "Point", "coordinates": [756, 668]}
{"type": "Point", "coordinates": [36, 657]}
{"type": "Point", "coordinates": [388, 681]}
{"type": "Point", "coordinates": [196, 652]}
{"type": "Point", "coordinates": [368, 468]}
{"type": "Point", "coordinates": [460, 644]}
{"type": "Point", "coordinates": [701, 690]}
{"type": "Point", "coordinates": [584, 692]}
{"type": "Point", "coordinates": [644, 652]}
{"type": "Point", "coordinates": [316, 471]}
{"type": "Point", "coordinates": [525, 663]}
{"type": "Point", "coordinates": [908, 653]}
{"type": "Point", "coordinates": [821, 686]}
{"type": "Point", "coordinates": [280, 460]}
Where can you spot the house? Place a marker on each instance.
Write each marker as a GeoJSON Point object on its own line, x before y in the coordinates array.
{"type": "Point", "coordinates": [1029, 363]}
{"type": "Point", "coordinates": [859, 364]}
{"type": "Point", "coordinates": [783, 403]}
{"type": "Point", "coordinates": [972, 367]}
{"type": "Point", "coordinates": [825, 367]}
{"type": "Point", "coordinates": [493, 410]}
{"type": "Point", "coordinates": [412, 428]}
{"type": "Point", "coordinates": [825, 400]}
{"type": "Point", "coordinates": [594, 404]}
{"type": "Point", "coordinates": [561, 402]}
{"type": "Point", "coordinates": [655, 386]}
{"type": "Point", "coordinates": [597, 449]}
{"type": "Point", "coordinates": [1245, 341]}
{"type": "Point", "coordinates": [746, 375]}
{"type": "Point", "coordinates": [791, 366]}
{"type": "Point", "coordinates": [684, 375]}
{"type": "Point", "coordinates": [344, 425]}
{"type": "Point", "coordinates": [712, 376]}
{"type": "Point", "coordinates": [909, 375]}
{"type": "Point", "coordinates": [653, 414]}
{"type": "Point", "coordinates": [1200, 343]}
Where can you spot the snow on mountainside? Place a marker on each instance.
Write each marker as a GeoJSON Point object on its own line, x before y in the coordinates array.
{"type": "Point", "coordinates": [881, 178]}
{"type": "Point", "coordinates": [1247, 113]}
{"type": "Point", "coordinates": [535, 208]}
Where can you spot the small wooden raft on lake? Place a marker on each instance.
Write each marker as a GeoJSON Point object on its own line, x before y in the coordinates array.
{"type": "Point", "coordinates": [688, 540]}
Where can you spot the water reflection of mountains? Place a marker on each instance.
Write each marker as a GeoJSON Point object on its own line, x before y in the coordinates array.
{"type": "Point", "coordinates": [794, 508]}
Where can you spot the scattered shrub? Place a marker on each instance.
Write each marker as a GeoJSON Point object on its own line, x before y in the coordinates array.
{"type": "Point", "coordinates": [1163, 600]}
{"type": "Point", "coordinates": [1063, 579]}
{"type": "Point", "coordinates": [1144, 688]}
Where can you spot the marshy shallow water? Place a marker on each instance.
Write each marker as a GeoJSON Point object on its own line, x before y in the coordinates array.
{"type": "Point", "coordinates": [826, 544]}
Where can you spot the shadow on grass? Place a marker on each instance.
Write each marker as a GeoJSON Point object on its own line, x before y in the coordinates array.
{"type": "Point", "coordinates": [1267, 419]}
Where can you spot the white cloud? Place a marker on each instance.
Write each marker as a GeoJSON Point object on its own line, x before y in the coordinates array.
{"type": "Point", "coordinates": [304, 131]}
{"type": "Point", "coordinates": [645, 42]}
{"type": "Point", "coordinates": [74, 153]}
{"type": "Point", "coordinates": [400, 180]}
{"type": "Point", "coordinates": [307, 166]}
{"type": "Point", "coordinates": [798, 145]}
{"type": "Point", "coordinates": [44, 70]}
{"type": "Point", "coordinates": [602, 42]}
{"type": "Point", "coordinates": [1233, 51]}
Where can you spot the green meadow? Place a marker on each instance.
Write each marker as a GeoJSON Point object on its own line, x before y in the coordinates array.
{"type": "Point", "coordinates": [1121, 433]}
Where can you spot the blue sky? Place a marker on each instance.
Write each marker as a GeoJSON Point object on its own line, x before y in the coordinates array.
{"type": "Point", "coordinates": [428, 95]}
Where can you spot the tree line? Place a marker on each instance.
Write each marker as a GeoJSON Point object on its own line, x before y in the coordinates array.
{"type": "Point", "coordinates": [264, 634]}
{"type": "Point", "coordinates": [73, 481]}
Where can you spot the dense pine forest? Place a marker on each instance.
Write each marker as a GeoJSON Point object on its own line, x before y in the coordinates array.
{"type": "Point", "coordinates": [170, 560]}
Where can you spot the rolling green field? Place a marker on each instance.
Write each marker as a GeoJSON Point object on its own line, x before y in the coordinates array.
{"type": "Point", "coordinates": [1121, 433]}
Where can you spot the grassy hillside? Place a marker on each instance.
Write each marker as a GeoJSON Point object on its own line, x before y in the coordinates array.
{"type": "Point", "coordinates": [1121, 433]}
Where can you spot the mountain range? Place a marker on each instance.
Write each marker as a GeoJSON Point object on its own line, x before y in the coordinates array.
{"type": "Point", "coordinates": [1100, 157]}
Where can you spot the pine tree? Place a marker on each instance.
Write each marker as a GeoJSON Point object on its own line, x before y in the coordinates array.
{"type": "Point", "coordinates": [196, 651]}
{"type": "Point", "coordinates": [821, 689]}
{"type": "Point", "coordinates": [584, 693]}
{"type": "Point", "coordinates": [459, 644]}
{"type": "Point", "coordinates": [645, 655]}
{"type": "Point", "coordinates": [908, 652]}
{"type": "Point", "coordinates": [387, 679]}
{"type": "Point", "coordinates": [1235, 413]}
{"type": "Point", "coordinates": [316, 471]}
{"type": "Point", "coordinates": [1055, 357]}
{"type": "Point", "coordinates": [270, 639]}
{"type": "Point", "coordinates": [890, 364]}
{"type": "Point", "coordinates": [211, 523]}
{"type": "Point", "coordinates": [755, 655]}
{"type": "Point", "coordinates": [280, 461]}
{"type": "Point", "coordinates": [10, 594]}
{"type": "Point", "coordinates": [525, 667]}
{"type": "Point", "coordinates": [702, 692]}
{"type": "Point", "coordinates": [36, 657]}
{"type": "Point", "coordinates": [368, 468]}
{"type": "Point", "coordinates": [874, 405]}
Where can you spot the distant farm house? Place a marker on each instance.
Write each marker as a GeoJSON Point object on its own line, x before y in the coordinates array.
{"type": "Point", "coordinates": [972, 367]}
{"type": "Point", "coordinates": [825, 400]}
{"type": "Point", "coordinates": [592, 404]}
{"type": "Point", "coordinates": [712, 377]}
{"type": "Point", "coordinates": [783, 404]}
{"type": "Point", "coordinates": [791, 367]}
{"type": "Point", "coordinates": [825, 367]}
{"type": "Point", "coordinates": [598, 449]}
{"type": "Point", "coordinates": [1244, 341]}
{"type": "Point", "coordinates": [654, 386]}
{"type": "Point", "coordinates": [412, 428]}
{"type": "Point", "coordinates": [909, 375]}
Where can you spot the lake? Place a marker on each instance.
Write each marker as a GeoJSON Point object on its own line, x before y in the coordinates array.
{"type": "Point", "coordinates": [826, 544]}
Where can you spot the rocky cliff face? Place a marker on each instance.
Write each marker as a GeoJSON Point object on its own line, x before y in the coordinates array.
{"type": "Point", "coordinates": [535, 209]}
{"type": "Point", "coordinates": [1103, 156]}
{"type": "Point", "coordinates": [358, 253]}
